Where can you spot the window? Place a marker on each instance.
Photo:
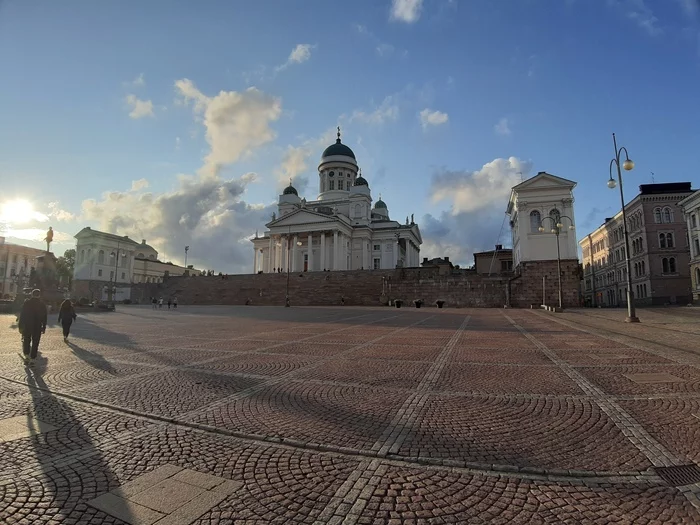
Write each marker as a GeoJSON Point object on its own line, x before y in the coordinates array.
{"type": "Point", "coordinates": [667, 215]}
{"type": "Point", "coordinates": [696, 243]}
{"type": "Point", "coordinates": [99, 273]}
{"type": "Point", "coordinates": [697, 277]}
{"type": "Point", "coordinates": [111, 275]}
{"type": "Point", "coordinates": [377, 263]}
{"type": "Point", "coordinates": [669, 240]}
{"type": "Point", "coordinates": [506, 266]}
{"type": "Point", "coordinates": [672, 264]}
{"type": "Point", "coordinates": [535, 221]}
{"type": "Point", "coordinates": [664, 265]}
{"type": "Point", "coordinates": [331, 174]}
{"type": "Point", "coordinates": [377, 247]}
{"type": "Point", "coordinates": [657, 215]}
{"type": "Point", "coordinates": [82, 256]}
{"type": "Point", "coordinates": [101, 257]}
{"type": "Point", "coordinates": [123, 275]}
{"type": "Point", "coordinates": [340, 184]}
{"type": "Point", "coordinates": [662, 240]}
{"type": "Point", "coordinates": [555, 214]}
{"type": "Point", "coordinates": [693, 221]}
{"type": "Point", "coordinates": [331, 184]}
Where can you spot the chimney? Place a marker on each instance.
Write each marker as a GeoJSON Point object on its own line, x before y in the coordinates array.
{"type": "Point", "coordinates": [499, 247]}
{"type": "Point", "coordinates": [425, 260]}
{"type": "Point", "coordinates": [143, 241]}
{"type": "Point", "coordinates": [447, 259]}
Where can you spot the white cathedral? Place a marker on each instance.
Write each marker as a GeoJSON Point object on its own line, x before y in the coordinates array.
{"type": "Point", "coordinates": [340, 230]}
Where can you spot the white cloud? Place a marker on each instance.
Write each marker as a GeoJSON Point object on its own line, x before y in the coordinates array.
{"type": "Point", "coordinates": [138, 185]}
{"type": "Point", "coordinates": [503, 127]}
{"type": "Point", "coordinates": [37, 235]}
{"type": "Point", "coordinates": [477, 199]}
{"type": "Point", "coordinates": [55, 212]}
{"type": "Point", "coordinates": [387, 111]}
{"type": "Point", "coordinates": [205, 213]}
{"type": "Point", "coordinates": [300, 54]}
{"type": "Point", "coordinates": [429, 117]}
{"type": "Point", "coordinates": [139, 108]}
{"type": "Point", "coordinates": [469, 191]}
{"type": "Point", "coordinates": [295, 160]}
{"type": "Point", "coordinates": [139, 81]}
{"type": "Point", "coordinates": [406, 10]}
{"type": "Point", "coordinates": [236, 122]}
{"type": "Point", "coordinates": [381, 48]}
{"type": "Point", "coordinates": [640, 13]}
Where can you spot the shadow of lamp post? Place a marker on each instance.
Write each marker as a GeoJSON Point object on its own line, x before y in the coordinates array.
{"type": "Point", "coordinates": [627, 165]}
{"type": "Point", "coordinates": [557, 225]}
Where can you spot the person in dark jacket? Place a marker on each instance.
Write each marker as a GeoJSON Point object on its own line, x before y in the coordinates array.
{"type": "Point", "coordinates": [66, 316]}
{"type": "Point", "coordinates": [32, 323]}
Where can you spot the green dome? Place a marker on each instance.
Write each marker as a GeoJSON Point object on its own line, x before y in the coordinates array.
{"type": "Point", "coordinates": [338, 149]}
{"type": "Point", "coordinates": [360, 181]}
{"type": "Point", "coordinates": [380, 204]}
{"type": "Point", "coordinates": [290, 190]}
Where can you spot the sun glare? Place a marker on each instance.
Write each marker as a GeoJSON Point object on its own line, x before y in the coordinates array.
{"type": "Point", "coordinates": [19, 211]}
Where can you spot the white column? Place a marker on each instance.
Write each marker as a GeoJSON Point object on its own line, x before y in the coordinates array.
{"type": "Point", "coordinates": [269, 258]}
{"type": "Point", "coordinates": [395, 253]}
{"type": "Point", "coordinates": [284, 255]}
{"type": "Point", "coordinates": [255, 259]}
{"type": "Point", "coordinates": [364, 254]}
{"type": "Point", "coordinates": [295, 266]}
{"type": "Point", "coordinates": [335, 250]}
{"type": "Point", "coordinates": [323, 251]}
{"type": "Point", "coordinates": [311, 252]}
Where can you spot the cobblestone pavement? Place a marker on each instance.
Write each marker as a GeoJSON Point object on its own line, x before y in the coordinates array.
{"type": "Point", "coordinates": [352, 416]}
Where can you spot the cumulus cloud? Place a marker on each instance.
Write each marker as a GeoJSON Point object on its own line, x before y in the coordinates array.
{"type": "Point", "coordinates": [300, 54]}
{"type": "Point", "coordinates": [503, 127]}
{"type": "Point", "coordinates": [236, 123]}
{"type": "Point", "coordinates": [55, 212]}
{"type": "Point", "coordinates": [429, 118]}
{"type": "Point", "coordinates": [470, 191]}
{"type": "Point", "coordinates": [387, 111]}
{"type": "Point", "coordinates": [206, 213]}
{"type": "Point", "coordinates": [139, 108]}
{"type": "Point", "coordinates": [475, 219]}
{"type": "Point", "coordinates": [295, 161]}
{"type": "Point", "coordinates": [138, 185]}
{"type": "Point", "coordinates": [407, 11]}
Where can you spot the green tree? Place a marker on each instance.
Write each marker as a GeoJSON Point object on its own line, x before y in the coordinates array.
{"type": "Point", "coordinates": [65, 266]}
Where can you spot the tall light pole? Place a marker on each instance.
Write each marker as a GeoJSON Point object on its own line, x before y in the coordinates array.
{"type": "Point", "coordinates": [187, 249]}
{"type": "Point", "coordinates": [628, 165]}
{"type": "Point", "coordinates": [113, 288]}
{"type": "Point", "coordinates": [289, 246]}
{"type": "Point", "coordinates": [556, 230]}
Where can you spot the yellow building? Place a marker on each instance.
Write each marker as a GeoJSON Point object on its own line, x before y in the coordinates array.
{"type": "Point", "coordinates": [16, 264]}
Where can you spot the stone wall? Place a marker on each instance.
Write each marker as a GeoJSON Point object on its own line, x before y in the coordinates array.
{"type": "Point", "coordinates": [461, 288]}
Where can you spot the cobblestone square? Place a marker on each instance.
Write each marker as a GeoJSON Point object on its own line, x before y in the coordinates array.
{"type": "Point", "coordinates": [253, 415]}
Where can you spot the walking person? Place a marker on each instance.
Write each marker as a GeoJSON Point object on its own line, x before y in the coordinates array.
{"type": "Point", "coordinates": [66, 316]}
{"type": "Point", "coordinates": [160, 303]}
{"type": "Point", "coordinates": [154, 301]}
{"type": "Point", "coordinates": [169, 302]}
{"type": "Point", "coordinates": [175, 302]}
{"type": "Point", "coordinates": [32, 323]}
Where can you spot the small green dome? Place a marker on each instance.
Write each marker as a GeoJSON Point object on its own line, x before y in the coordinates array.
{"type": "Point", "coordinates": [380, 205]}
{"type": "Point", "coordinates": [338, 149]}
{"type": "Point", "coordinates": [360, 181]}
{"type": "Point", "coordinates": [290, 190]}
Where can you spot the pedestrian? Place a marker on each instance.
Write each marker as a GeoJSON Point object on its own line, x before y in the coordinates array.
{"type": "Point", "coordinates": [169, 303]}
{"type": "Point", "coordinates": [175, 302]}
{"type": "Point", "coordinates": [66, 316]}
{"type": "Point", "coordinates": [32, 323]}
{"type": "Point", "coordinates": [154, 301]}
{"type": "Point", "coordinates": [160, 303]}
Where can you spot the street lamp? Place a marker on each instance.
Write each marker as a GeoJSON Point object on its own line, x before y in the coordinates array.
{"type": "Point", "coordinates": [628, 165]}
{"type": "Point", "coordinates": [557, 225]}
{"type": "Point", "coordinates": [187, 249]}
{"type": "Point", "coordinates": [113, 289]}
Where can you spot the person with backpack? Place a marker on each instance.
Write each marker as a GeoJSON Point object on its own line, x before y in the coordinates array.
{"type": "Point", "coordinates": [66, 316]}
{"type": "Point", "coordinates": [32, 323]}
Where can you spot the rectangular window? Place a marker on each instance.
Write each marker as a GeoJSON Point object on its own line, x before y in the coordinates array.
{"type": "Point", "coordinates": [377, 247]}
{"type": "Point", "coordinates": [99, 273]}
{"type": "Point", "coordinates": [696, 244]}
{"type": "Point", "coordinates": [331, 185]}
{"type": "Point", "coordinates": [123, 275]}
{"type": "Point", "coordinates": [693, 221]}
{"type": "Point", "coordinates": [377, 264]}
{"type": "Point", "coordinates": [111, 275]}
{"type": "Point", "coordinates": [340, 184]}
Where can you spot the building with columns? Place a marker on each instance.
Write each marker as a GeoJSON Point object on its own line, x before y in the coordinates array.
{"type": "Point", "coordinates": [340, 230]}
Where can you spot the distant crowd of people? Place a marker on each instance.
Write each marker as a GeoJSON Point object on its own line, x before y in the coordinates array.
{"type": "Point", "coordinates": [158, 302]}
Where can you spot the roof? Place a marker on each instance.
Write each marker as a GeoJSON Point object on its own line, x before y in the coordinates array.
{"type": "Point", "coordinates": [112, 236]}
{"type": "Point", "coordinates": [666, 187]}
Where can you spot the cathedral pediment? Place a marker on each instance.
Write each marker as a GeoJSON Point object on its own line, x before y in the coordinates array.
{"type": "Point", "coordinates": [300, 217]}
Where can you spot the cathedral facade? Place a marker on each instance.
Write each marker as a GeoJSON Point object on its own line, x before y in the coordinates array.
{"type": "Point", "coordinates": [343, 229]}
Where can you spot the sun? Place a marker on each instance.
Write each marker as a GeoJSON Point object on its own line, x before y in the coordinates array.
{"type": "Point", "coordinates": [19, 211]}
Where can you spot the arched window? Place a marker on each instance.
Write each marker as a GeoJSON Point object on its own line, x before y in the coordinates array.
{"type": "Point", "coordinates": [693, 221]}
{"type": "Point", "coordinates": [672, 265]}
{"type": "Point", "coordinates": [657, 215]}
{"type": "Point", "coordinates": [644, 267]}
{"type": "Point", "coordinates": [89, 255]}
{"type": "Point", "coordinates": [101, 257]}
{"type": "Point", "coordinates": [82, 256]}
{"type": "Point", "coordinates": [535, 221]}
{"type": "Point", "coordinates": [669, 240]}
{"type": "Point", "coordinates": [555, 214]}
{"type": "Point", "coordinates": [664, 265]}
{"type": "Point", "coordinates": [140, 256]}
{"type": "Point", "coordinates": [668, 217]}
{"type": "Point", "coordinates": [358, 211]}
{"type": "Point", "coordinates": [662, 240]}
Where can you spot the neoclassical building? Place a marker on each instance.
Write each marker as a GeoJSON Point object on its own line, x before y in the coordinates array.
{"type": "Point", "coordinates": [340, 230]}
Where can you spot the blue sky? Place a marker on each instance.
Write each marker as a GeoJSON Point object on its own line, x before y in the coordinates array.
{"type": "Point", "coordinates": [97, 95]}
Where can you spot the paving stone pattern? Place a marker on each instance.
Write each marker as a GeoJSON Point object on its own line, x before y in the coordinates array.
{"type": "Point", "coordinates": [252, 415]}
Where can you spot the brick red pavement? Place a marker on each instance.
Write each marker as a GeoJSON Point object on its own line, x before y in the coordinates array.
{"type": "Point", "coordinates": [360, 415]}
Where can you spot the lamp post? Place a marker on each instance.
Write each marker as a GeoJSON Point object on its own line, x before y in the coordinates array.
{"type": "Point", "coordinates": [556, 230]}
{"type": "Point", "coordinates": [113, 288]}
{"type": "Point", "coordinates": [187, 249]}
{"type": "Point", "coordinates": [628, 165]}
{"type": "Point", "coordinates": [289, 246]}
